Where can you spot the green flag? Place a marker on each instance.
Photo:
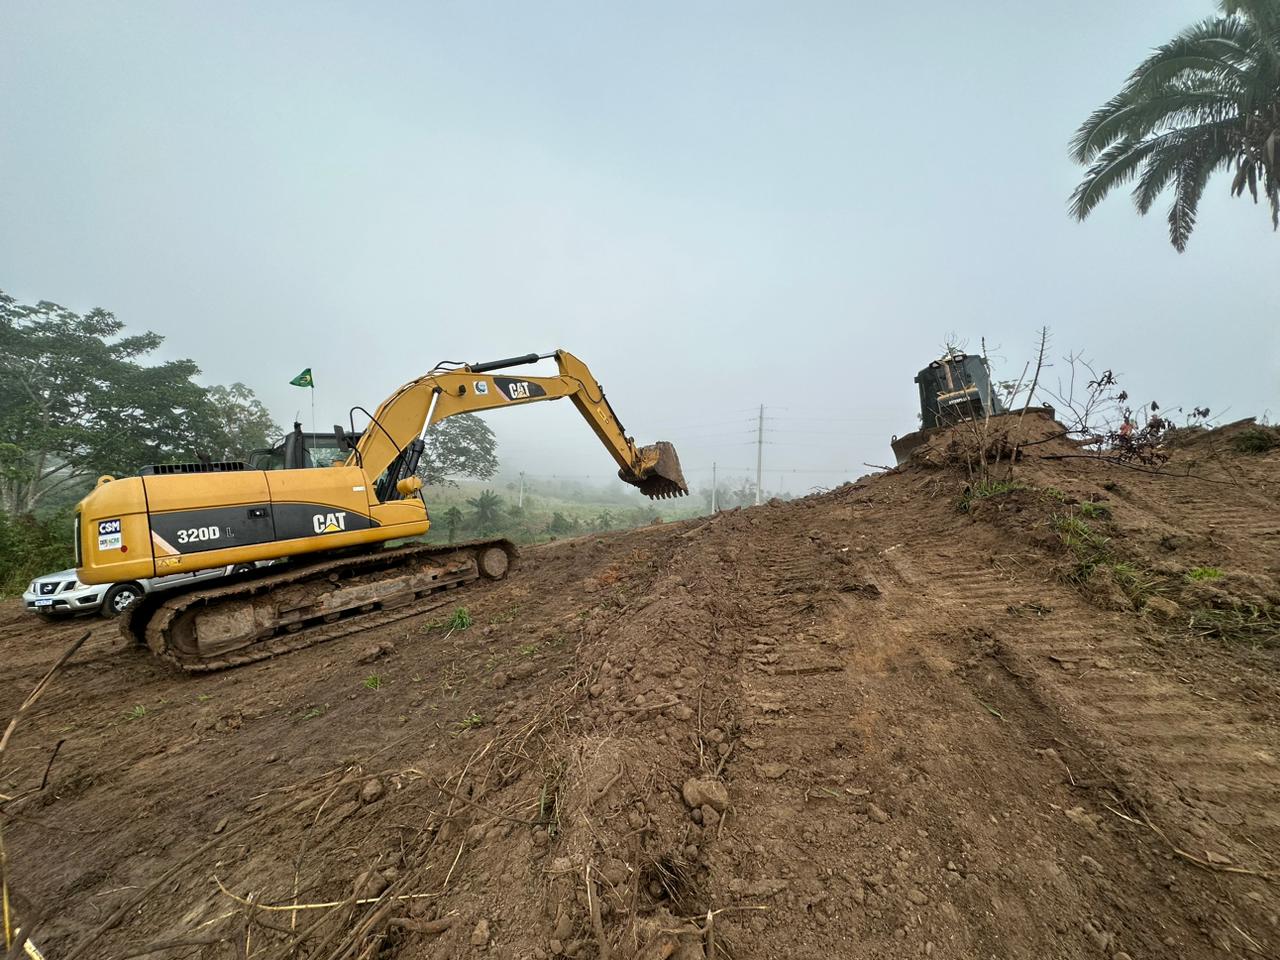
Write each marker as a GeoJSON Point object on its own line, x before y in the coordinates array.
{"type": "Point", "coordinates": [303, 379]}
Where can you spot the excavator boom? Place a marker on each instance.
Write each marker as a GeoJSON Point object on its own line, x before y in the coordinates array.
{"type": "Point", "coordinates": [408, 413]}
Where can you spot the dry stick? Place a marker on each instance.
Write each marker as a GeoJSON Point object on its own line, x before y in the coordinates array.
{"type": "Point", "coordinates": [724, 759]}
{"type": "Point", "coordinates": [125, 908]}
{"type": "Point", "coordinates": [32, 697]}
{"type": "Point", "coordinates": [477, 804]}
{"type": "Point", "coordinates": [1031, 392]}
{"type": "Point", "coordinates": [1267, 875]}
{"type": "Point", "coordinates": [593, 905]}
{"type": "Point", "coordinates": [327, 905]}
{"type": "Point", "coordinates": [302, 852]}
{"type": "Point", "coordinates": [44, 780]}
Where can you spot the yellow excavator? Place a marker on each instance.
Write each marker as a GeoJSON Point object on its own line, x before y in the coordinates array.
{"type": "Point", "coordinates": [331, 524]}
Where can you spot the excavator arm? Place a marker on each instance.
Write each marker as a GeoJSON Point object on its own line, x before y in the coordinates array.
{"type": "Point", "coordinates": [392, 444]}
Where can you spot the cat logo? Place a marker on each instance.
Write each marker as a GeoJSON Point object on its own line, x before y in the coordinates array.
{"type": "Point", "coordinates": [329, 522]}
{"type": "Point", "coordinates": [513, 389]}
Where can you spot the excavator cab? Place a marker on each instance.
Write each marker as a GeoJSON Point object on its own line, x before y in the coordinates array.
{"type": "Point", "coordinates": [299, 451]}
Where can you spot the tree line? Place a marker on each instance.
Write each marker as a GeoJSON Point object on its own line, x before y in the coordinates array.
{"type": "Point", "coordinates": [79, 398]}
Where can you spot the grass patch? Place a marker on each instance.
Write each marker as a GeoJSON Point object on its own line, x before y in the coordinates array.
{"type": "Point", "coordinates": [1245, 624]}
{"type": "Point", "coordinates": [528, 649]}
{"type": "Point", "coordinates": [1203, 573]}
{"type": "Point", "coordinates": [311, 713]}
{"type": "Point", "coordinates": [499, 619]}
{"type": "Point", "coordinates": [1092, 554]}
{"type": "Point", "coordinates": [137, 713]}
{"type": "Point", "coordinates": [460, 619]}
{"type": "Point", "coordinates": [986, 489]}
{"type": "Point", "coordinates": [1088, 547]}
{"type": "Point", "coordinates": [1095, 511]}
{"type": "Point", "coordinates": [471, 721]}
{"type": "Point", "coordinates": [372, 682]}
{"type": "Point", "coordinates": [1255, 440]}
{"type": "Point", "coordinates": [1136, 583]}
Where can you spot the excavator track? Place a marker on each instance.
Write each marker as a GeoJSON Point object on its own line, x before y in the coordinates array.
{"type": "Point", "coordinates": [274, 612]}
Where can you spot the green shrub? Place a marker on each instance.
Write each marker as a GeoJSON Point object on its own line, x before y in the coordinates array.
{"type": "Point", "coordinates": [32, 546]}
{"type": "Point", "coordinates": [1255, 440]}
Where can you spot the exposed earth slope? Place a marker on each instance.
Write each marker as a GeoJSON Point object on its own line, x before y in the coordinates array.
{"type": "Point", "coordinates": [915, 716]}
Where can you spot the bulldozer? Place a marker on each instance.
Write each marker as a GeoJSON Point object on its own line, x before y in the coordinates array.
{"type": "Point", "coordinates": [319, 537]}
{"type": "Point", "coordinates": [954, 389]}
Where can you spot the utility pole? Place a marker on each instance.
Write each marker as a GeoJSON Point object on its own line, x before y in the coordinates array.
{"type": "Point", "coordinates": [713, 484]}
{"type": "Point", "coordinates": [520, 503]}
{"type": "Point", "coordinates": [759, 453]}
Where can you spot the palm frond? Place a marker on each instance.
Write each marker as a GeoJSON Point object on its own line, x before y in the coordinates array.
{"type": "Point", "coordinates": [1114, 166]}
{"type": "Point", "coordinates": [1135, 118]}
{"type": "Point", "coordinates": [1190, 178]}
{"type": "Point", "coordinates": [1221, 48]}
{"type": "Point", "coordinates": [1172, 148]}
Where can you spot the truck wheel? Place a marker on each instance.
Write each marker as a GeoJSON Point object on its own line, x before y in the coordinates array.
{"type": "Point", "coordinates": [119, 598]}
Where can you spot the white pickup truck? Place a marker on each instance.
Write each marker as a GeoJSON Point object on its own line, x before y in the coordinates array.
{"type": "Point", "coordinates": [61, 594]}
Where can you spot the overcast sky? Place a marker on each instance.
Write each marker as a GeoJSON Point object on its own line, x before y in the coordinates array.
{"type": "Point", "coordinates": [715, 205]}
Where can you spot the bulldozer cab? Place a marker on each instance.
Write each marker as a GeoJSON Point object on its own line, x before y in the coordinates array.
{"type": "Point", "coordinates": [955, 388]}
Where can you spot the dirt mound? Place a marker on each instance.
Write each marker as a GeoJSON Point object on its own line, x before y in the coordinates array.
{"type": "Point", "coordinates": [916, 716]}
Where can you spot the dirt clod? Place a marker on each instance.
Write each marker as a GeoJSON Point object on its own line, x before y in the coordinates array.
{"type": "Point", "coordinates": [706, 793]}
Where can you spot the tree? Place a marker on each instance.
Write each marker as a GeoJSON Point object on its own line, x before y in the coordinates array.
{"type": "Point", "coordinates": [1208, 100]}
{"type": "Point", "coordinates": [462, 445]}
{"type": "Point", "coordinates": [75, 402]}
{"type": "Point", "coordinates": [558, 526]}
{"type": "Point", "coordinates": [237, 423]}
{"type": "Point", "coordinates": [487, 512]}
{"type": "Point", "coordinates": [452, 519]}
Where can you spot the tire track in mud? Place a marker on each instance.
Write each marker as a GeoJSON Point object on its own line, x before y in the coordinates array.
{"type": "Point", "coordinates": [1189, 764]}
{"type": "Point", "coordinates": [878, 802]}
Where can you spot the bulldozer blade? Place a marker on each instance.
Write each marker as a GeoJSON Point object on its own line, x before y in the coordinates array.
{"type": "Point", "coordinates": [663, 478]}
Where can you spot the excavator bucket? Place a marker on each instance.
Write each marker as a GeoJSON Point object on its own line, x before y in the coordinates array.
{"type": "Point", "coordinates": [661, 476]}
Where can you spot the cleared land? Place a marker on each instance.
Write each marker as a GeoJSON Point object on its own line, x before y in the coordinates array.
{"type": "Point", "coordinates": [865, 724]}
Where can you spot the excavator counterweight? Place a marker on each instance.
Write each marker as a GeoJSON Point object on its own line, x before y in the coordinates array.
{"type": "Point", "coordinates": [329, 523]}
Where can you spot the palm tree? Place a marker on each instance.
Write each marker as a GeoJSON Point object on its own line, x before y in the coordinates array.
{"type": "Point", "coordinates": [1208, 100]}
{"type": "Point", "coordinates": [488, 512]}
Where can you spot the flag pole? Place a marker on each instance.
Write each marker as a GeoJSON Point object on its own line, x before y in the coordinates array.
{"type": "Point", "coordinates": [313, 405]}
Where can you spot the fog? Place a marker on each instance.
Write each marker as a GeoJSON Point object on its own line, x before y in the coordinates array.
{"type": "Point", "coordinates": [715, 205]}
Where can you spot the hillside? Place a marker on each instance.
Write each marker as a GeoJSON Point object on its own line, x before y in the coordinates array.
{"type": "Point", "coordinates": [914, 716]}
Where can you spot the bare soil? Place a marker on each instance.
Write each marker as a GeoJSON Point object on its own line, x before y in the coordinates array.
{"type": "Point", "coordinates": [912, 717]}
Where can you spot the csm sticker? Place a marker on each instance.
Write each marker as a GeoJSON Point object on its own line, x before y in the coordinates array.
{"type": "Point", "coordinates": [481, 388]}
{"type": "Point", "coordinates": [109, 535]}
{"type": "Point", "coordinates": [329, 522]}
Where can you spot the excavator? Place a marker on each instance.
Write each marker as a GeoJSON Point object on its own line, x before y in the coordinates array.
{"type": "Point", "coordinates": [330, 525]}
